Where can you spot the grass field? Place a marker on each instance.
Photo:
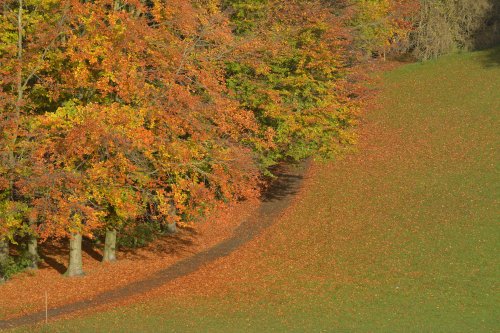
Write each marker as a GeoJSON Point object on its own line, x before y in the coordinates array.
{"type": "Point", "coordinates": [401, 236]}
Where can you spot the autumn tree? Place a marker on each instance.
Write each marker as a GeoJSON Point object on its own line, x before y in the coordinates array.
{"type": "Point", "coordinates": [381, 27]}
{"type": "Point", "coordinates": [246, 14]}
{"type": "Point", "coordinates": [29, 30]}
{"type": "Point", "coordinates": [291, 72]}
{"type": "Point", "coordinates": [143, 128]}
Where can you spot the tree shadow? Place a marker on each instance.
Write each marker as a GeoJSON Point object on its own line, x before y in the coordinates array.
{"type": "Point", "coordinates": [89, 249]}
{"type": "Point", "coordinates": [49, 252]}
{"type": "Point", "coordinates": [51, 262]}
{"type": "Point", "coordinates": [284, 186]}
{"type": "Point", "coordinates": [165, 245]}
{"type": "Point", "coordinates": [285, 183]}
{"type": "Point", "coordinates": [492, 58]}
{"type": "Point", "coordinates": [176, 243]}
{"type": "Point", "coordinates": [488, 37]}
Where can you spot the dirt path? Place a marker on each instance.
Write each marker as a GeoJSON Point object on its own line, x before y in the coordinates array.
{"type": "Point", "coordinates": [274, 202]}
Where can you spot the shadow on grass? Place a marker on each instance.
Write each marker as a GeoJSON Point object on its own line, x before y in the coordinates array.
{"type": "Point", "coordinates": [285, 183]}
{"type": "Point", "coordinates": [166, 245]}
{"type": "Point", "coordinates": [51, 251]}
{"type": "Point", "coordinates": [88, 248]}
{"type": "Point", "coordinates": [491, 58]}
{"type": "Point", "coordinates": [51, 262]}
{"type": "Point", "coordinates": [177, 243]}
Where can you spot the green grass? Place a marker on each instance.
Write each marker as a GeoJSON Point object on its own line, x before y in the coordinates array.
{"type": "Point", "coordinates": [402, 237]}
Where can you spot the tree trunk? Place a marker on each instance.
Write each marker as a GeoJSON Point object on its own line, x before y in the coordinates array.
{"type": "Point", "coordinates": [33, 252]}
{"type": "Point", "coordinates": [110, 246]}
{"type": "Point", "coordinates": [172, 228]}
{"type": "Point", "coordinates": [4, 250]}
{"type": "Point", "coordinates": [4, 254]}
{"type": "Point", "coordinates": [33, 246]}
{"type": "Point", "coordinates": [75, 266]}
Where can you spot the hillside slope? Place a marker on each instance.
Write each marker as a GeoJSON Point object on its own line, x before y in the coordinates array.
{"type": "Point", "coordinates": [401, 236]}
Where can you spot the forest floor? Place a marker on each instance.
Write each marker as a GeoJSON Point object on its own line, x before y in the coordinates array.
{"type": "Point", "coordinates": [401, 236]}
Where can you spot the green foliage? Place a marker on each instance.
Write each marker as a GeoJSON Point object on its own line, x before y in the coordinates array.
{"type": "Point", "coordinates": [246, 14]}
{"type": "Point", "coordinates": [12, 215]}
{"type": "Point", "coordinates": [297, 90]}
{"type": "Point", "coordinates": [381, 27]}
{"type": "Point", "coordinates": [138, 235]}
{"type": "Point", "coordinates": [15, 265]}
{"type": "Point", "coordinates": [372, 25]}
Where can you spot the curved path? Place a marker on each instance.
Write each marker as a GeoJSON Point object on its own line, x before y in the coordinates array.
{"type": "Point", "coordinates": [276, 199]}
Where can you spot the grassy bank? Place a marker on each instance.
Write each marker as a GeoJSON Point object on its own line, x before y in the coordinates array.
{"type": "Point", "coordinates": [400, 237]}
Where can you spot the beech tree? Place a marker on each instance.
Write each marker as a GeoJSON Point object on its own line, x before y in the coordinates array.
{"type": "Point", "coordinates": [382, 27]}
{"type": "Point", "coordinates": [29, 30]}
{"type": "Point", "coordinates": [297, 89]}
{"type": "Point", "coordinates": [143, 116]}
